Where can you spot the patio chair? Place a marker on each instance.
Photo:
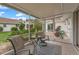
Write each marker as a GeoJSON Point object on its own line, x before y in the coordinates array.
{"type": "Point", "coordinates": [18, 45]}
{"type": "Point", "coordinates": [36, 47]}
{"type": "Point", "coordinates": [42, 36]}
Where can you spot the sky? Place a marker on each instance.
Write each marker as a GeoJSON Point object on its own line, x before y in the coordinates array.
{"type": "Point", "coordinates": [6, 12]}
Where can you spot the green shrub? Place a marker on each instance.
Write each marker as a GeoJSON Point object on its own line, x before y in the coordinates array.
{"type": "Point", "coordinates": [21, 26]}
{"type": "Point", "coordinates": [1, 29]}
{"type": "Point", "coordinates": [26, 31]}
{"type": "Point", "coordinates": [14, 29]}
{"type": "Point", "coordinates": [38, 25]}
{"type": "Point", "coordinates": [14, 32]}
{"type": "Point", "coordinates": [17, 25]}
{"type": "Point", "coordinates": [19, 32]}
{"type": "Point", "coordinates": [23, 31]}
{"type": "Point", "coordinates": [32, 30]}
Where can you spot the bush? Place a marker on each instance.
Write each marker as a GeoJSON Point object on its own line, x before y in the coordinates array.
{"type": "Point", "coordinates": [32, 30]}
{"type": "Point", "coordinates": [19, 32]}
{"type": "Point", "coordinates": [1, 29]}
{"type": "Point", "coordinates": [38, 25]}
{"type": "Point", "coordinates": [21, 26]}
{"type": "Point", "coordinates": [14, 29]}
{"type": "Point", "coordinates": [14, 32]}
{"type": "Point", "coordinates": [23, 31]}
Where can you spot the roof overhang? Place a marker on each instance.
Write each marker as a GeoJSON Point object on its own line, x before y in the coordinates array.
{"type": "Point", "coordinates": [41, 10]}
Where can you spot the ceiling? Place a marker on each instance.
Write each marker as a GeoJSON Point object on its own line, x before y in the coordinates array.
{"type": "Point", "coordinates": [42, 10]}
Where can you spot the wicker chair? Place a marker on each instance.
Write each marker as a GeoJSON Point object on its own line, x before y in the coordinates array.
{"type": "Point", "coordinates": [18, 45]}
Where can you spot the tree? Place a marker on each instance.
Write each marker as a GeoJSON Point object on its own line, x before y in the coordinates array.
{"type": "Point", "coordinates": [37, 25]}
{"type": "Point", "coordinates": [1, 29]}
{"type": "Point", "coordinates": [21, 26]}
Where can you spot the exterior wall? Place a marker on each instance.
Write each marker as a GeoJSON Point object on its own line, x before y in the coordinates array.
{"type": "Point", "coordinates": [65, 21]}
{"type": "Point", "coordinates": [8, 27]}
{"type": "Point", "coordinates": [67, 28]}
{"type": "Point", "coordinates": [1, 25]}
{"type": "Point", "coordinates": [66, 24]}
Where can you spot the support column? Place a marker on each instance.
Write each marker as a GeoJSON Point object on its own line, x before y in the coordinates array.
{"type": "Point", "coordinates": [53, 24]}
{"type": "Point", "coordinates": [44, 25]}
{"type": "Point", "coordinates": [78, 26]}
{"type": "Point", "coordinates": [75, 29]}
{"type": "Point", "coordinates": [29, 27]}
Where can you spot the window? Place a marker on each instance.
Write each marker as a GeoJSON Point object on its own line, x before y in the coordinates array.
{"type": "Point", "coordinates": [4, 25]}
{"type": "Point", "coordinates": [50, 27]}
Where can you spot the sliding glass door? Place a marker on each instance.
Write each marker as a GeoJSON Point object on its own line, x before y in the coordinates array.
{"type": "Point", "coordinates": [76, 27]}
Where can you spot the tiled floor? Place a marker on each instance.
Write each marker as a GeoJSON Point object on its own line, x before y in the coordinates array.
{"type": "Point", "coordinates": [67, 49]}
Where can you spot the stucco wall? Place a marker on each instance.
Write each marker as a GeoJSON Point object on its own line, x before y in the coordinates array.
{"type": "Point", "coordinates": [1, 25]}
{"type": "Point", "coordinates": [8, 27]}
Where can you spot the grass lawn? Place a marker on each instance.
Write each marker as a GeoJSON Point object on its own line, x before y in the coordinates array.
{"type": "Point", "coordinates": [4, 36]}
